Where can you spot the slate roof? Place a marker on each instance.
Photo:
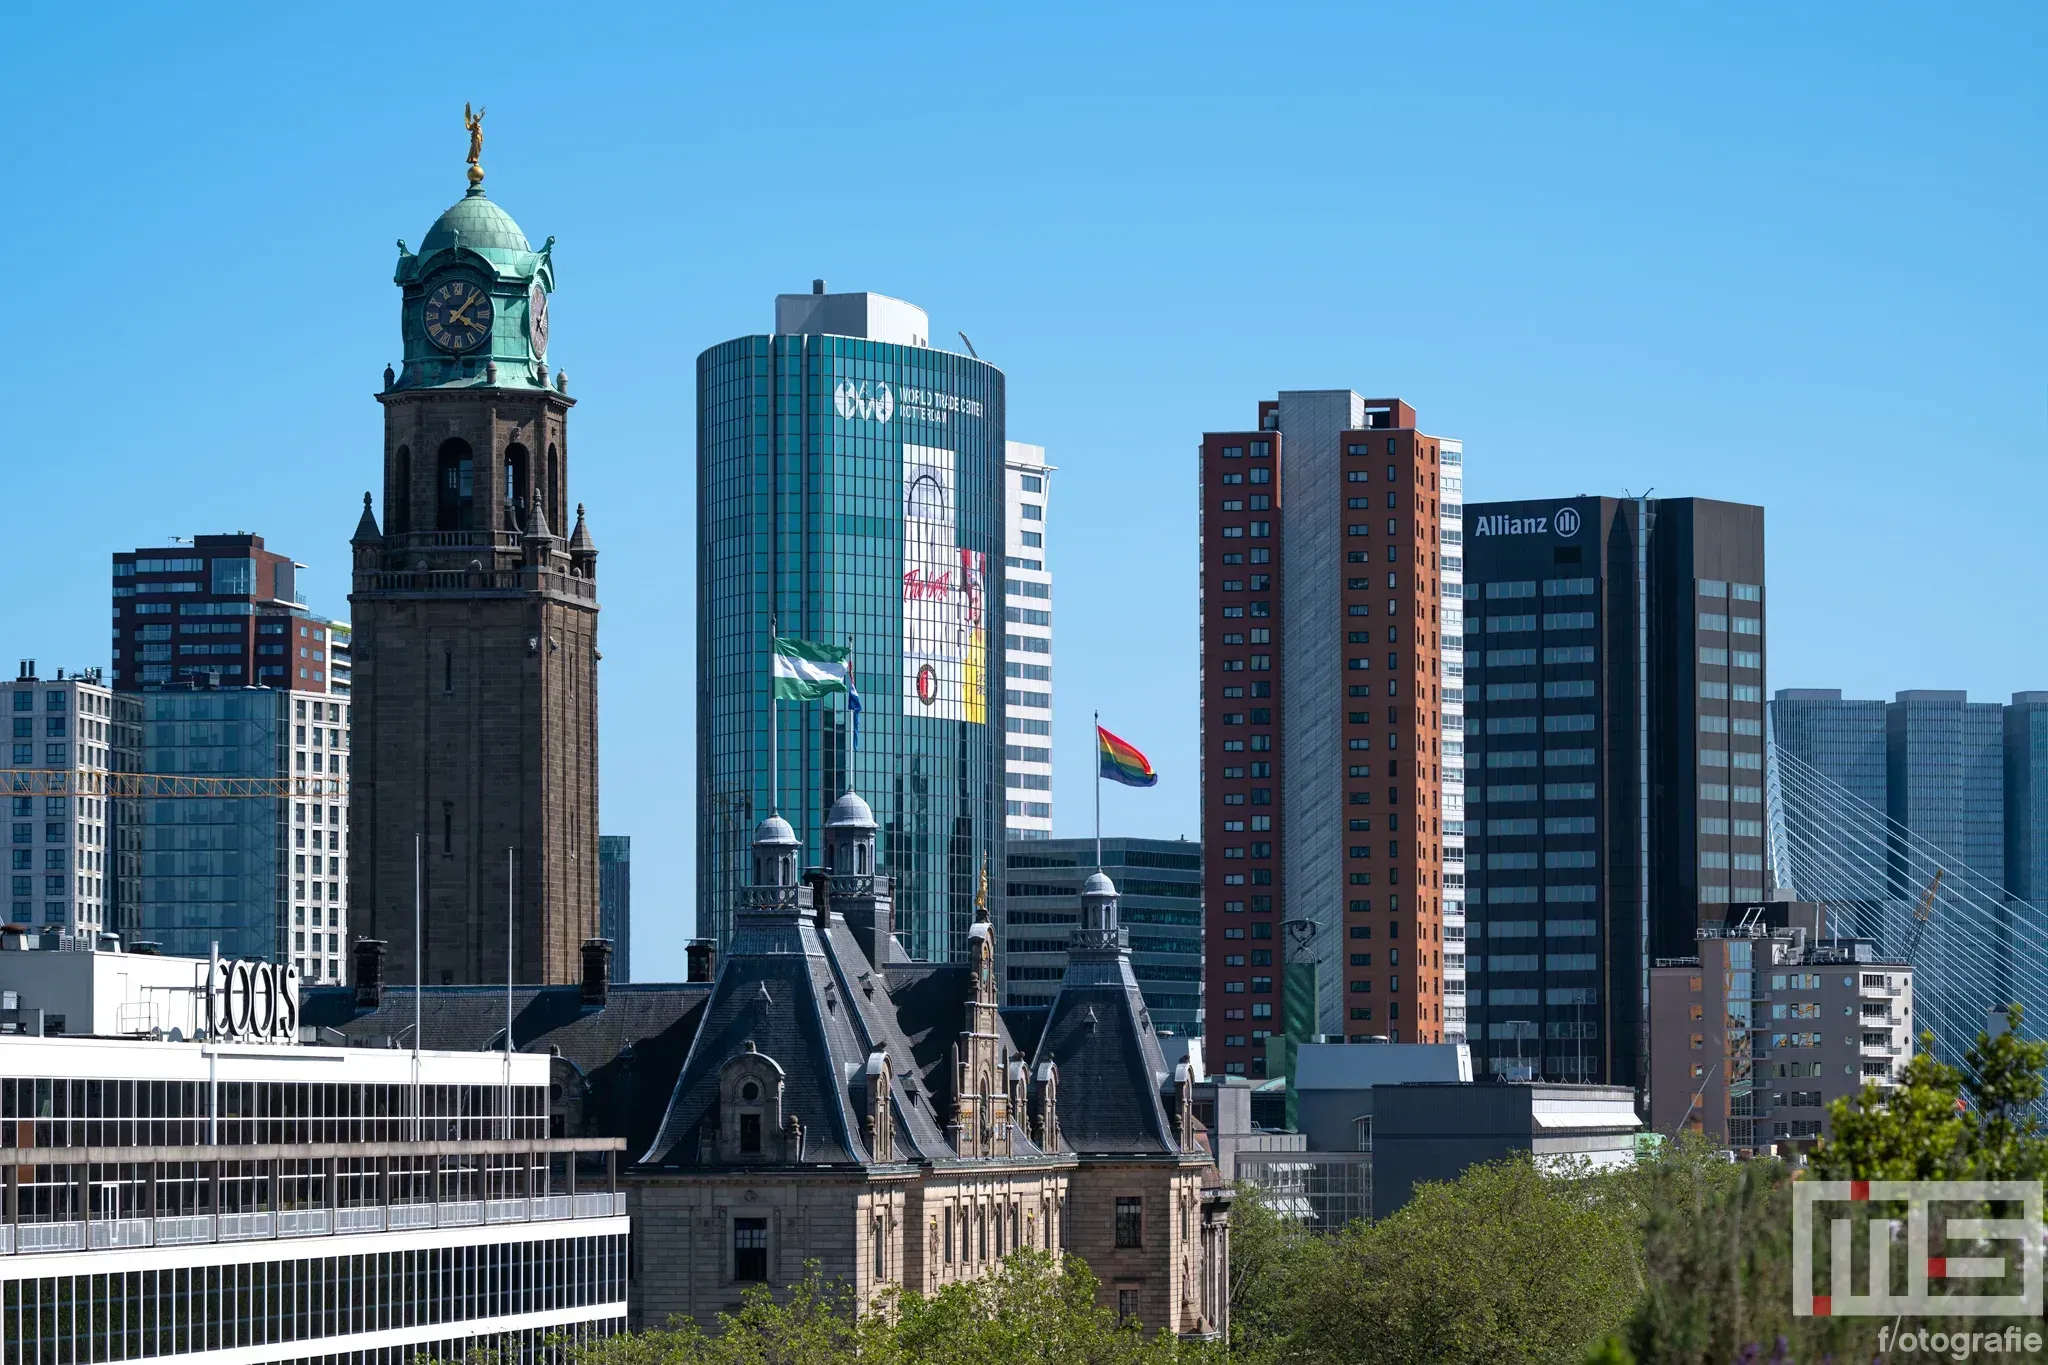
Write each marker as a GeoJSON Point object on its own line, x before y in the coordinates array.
{"type": "Point", "coordinates": [932, 1001]}
{"type": "Point", "coordinates": [826, 1010]}
{"type": "Point", "coordinates": [629, 1050]}
{"type": "Point", "coordinates": [1111, 1073]}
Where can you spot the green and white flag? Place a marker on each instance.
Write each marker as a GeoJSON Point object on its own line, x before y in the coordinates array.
{"type": "Point", "coordinates": [806, 670]}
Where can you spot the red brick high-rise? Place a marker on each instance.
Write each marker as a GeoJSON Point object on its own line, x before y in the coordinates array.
{"type": "Point", "coordinates": [219, 610]}
{"type": "Point", "coordinates": [1322, 710]}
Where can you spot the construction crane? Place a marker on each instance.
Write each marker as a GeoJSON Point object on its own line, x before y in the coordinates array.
{"type": "Point", "coordinates": [1922, 914]}
{"type": "Point", "coordinates": [62, 782]}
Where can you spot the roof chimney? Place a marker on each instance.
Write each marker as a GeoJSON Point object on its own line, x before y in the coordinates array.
{"type": "Point", "coordinates": [597, 971]}
{"type": "Point", "coordinates": [817, 286]}
{"type": "Point", "coordinates": [703, 954]}
{"type": "Point", "coordinates": [369, 965]}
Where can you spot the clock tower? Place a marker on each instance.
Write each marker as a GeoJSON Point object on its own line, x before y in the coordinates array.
{"type": "Point", "coordinates": [474, 763]}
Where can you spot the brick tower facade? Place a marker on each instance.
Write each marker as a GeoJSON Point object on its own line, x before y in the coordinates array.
{"type": "Point", "coordinates": [475, 628]}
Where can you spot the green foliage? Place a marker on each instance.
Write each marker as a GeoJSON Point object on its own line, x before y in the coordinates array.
{"type": "Point", "coordinates": [2005, 1085]}
{"type": "Point", "coordinates": [1922, 1131]}
{"type": "Point", "coordinates": [1611, 1351]}
{"type": "Point", "coordinates": [1505, 1265]}
{"type": "Point", "coordinates": [1036, 1310]}
{"type": "Point", "coordinates": [1915, 1133]}
{"type": "Point", "coordinates": [1268, 1252]}
{"type": "Point", "coordinates": [1717, 1263]}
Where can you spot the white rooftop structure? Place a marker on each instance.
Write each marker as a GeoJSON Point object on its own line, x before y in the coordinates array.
{"type": "Point", "coordinates": [874, 317]}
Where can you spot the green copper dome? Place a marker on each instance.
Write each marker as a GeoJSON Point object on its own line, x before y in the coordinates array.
{"type": "Point", "coordinates": [476, 223]}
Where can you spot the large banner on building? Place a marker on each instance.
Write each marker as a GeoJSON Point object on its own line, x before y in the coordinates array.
{"type": "Point", "coordinates": [944, 594]}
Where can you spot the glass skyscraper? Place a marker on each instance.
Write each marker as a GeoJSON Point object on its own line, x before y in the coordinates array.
{"type": "Point", "coordinates": [1971, 778]}
{"type": "Point", "coordinates": [1159, 886]}
{"type": "Point", "coordinates": [1945, 756]}
{"type": "Point", "coordinates": [615, 900]}
{"type": "Point", "coordinates": [2026, 797]}
{"type": "Point", "coordinates": [212, 869]}
{"type": "Point", "coordinates": [851, 490]}
{"type": "Point", "coordinates": [1844, 739]}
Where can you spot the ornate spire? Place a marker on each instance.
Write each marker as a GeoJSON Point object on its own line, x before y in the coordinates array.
{"type": "Point", "coordinates": [366, 529]}
{"type": "Point", "coordinates": [537, 524]}
{"type": "Point", "coordinates": [580, 542]}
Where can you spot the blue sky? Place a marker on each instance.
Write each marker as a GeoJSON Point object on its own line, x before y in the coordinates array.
{"type": "Point", "coordinates": [1790, 255]}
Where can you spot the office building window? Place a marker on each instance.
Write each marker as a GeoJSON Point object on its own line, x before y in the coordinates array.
{"type": "Point", "coordinates": [750, 1248]}
{"type": "Point", "coordinates": [1130, 1221]}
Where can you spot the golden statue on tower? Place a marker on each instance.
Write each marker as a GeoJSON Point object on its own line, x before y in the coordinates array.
{"type": "Point", "coordinates": [475, 123]}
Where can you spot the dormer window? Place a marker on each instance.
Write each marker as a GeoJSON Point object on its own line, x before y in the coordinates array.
{"type": "Point", "coordinates": [751, 1098]}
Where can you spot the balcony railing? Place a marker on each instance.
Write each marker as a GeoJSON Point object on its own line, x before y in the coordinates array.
{"type": "Point", "coordinates": [478, 580]}
{"type": "Point", "coordinates": [454, 540]}
{"type": "Point", "coordinates": [521, 1184]}
{"type": "Point", "coordinates": [190, 1229]}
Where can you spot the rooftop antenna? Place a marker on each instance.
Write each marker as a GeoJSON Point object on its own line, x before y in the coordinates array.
{"type": "Point", "coordinates": [970, 347]}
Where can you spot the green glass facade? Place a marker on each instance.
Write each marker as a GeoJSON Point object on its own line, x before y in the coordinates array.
{"type": "Point", "coordinates": [851, 491]}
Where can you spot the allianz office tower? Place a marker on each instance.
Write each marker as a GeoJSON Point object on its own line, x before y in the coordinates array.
{"type": "Point", "coordinates": [1614, 675]}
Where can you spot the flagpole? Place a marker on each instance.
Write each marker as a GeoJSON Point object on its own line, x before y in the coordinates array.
{"type": "Point", "coordinates": [846, 768]}
{"type": "Point", "coordinates": [774, 755]}
{"type": "Point", "coordinates": [510, 932]}
{"type": "Point", "coordinates": [419, 951]}
{"type": "Point", "coordinates": [1098, 791]}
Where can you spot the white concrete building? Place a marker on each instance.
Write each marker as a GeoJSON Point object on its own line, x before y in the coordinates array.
{"type": "Point", "coordinates": [240, 1199]}
{"type": "Point", "coordinates": [1451, 535]}
{"type": "Point", "coordinates": [1027, 644]}
{"type": "Point", "coordinates": [318, 933]}
{"type": "Point", "coordinates": [60, 834]}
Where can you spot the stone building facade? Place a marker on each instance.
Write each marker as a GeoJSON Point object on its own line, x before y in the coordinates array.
{"type": "Point", "coordinates": [888, 1120]}
{"type": "Point", "coordinates": [475, 640]}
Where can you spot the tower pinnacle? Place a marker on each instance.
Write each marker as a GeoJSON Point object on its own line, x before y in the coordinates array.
{"type": "Point", "coordinates": [475, 123]}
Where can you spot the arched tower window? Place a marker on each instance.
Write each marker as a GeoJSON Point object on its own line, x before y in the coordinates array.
{"type": "Point", "coordinates": [518, 484]}
{"type": "Point", "coordinates": [398, 502]}
{"type": "Point", "coordinates": [455, 487]}
{"type": "Point", "coordinates": [554, 488]}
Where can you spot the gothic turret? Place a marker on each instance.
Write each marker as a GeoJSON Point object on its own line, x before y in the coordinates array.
{"type": "Point", "coordinates": [775, 850]}
{"type": "Point", "coordinates": [850, 837]}
{"type": "Point", "coordinates": [582, 549]}
{"type": "Point", "coordinates": [366, 527]}
{"type": "Point", "coordinates": [1100, 930]}
{"type": "Point", "coordinates": [859, 894]}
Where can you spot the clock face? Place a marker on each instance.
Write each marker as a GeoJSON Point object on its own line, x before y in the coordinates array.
{"type": "Point", "coordinates": [537, 319]}
{"type": "Point", "coordinates": [458, 316]}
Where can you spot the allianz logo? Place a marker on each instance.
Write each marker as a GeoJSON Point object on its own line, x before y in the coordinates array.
{"type": "Point", "coordinates": [1565, 522]}
{"type": "Point", "coordinates": [869, 401]}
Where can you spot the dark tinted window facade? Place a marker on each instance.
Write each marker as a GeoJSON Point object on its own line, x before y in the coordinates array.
{"type": "Point", "coordinates": [1604, 660]}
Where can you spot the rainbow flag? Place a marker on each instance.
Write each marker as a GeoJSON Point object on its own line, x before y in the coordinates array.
{"type": "Point", "coordinates": [1121, 762]}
